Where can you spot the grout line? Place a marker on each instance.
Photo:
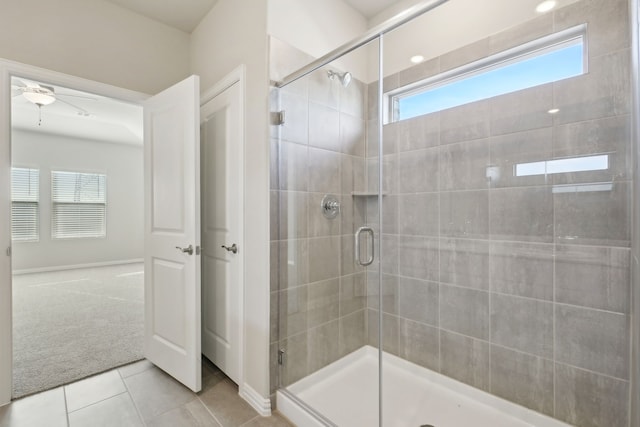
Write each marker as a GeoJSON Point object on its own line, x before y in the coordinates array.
{"type": "Point", "coordinates": [209, 410]}
{"type": "Point", "coordinates": [135, 404]}
{"type": "Point", "coordinates": [66, 407]}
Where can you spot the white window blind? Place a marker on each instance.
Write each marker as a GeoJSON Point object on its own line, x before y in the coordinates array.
{"type": "Point", "coordinates": [25, 215]}
{"type": "Point", "coordinates": [79, 205]}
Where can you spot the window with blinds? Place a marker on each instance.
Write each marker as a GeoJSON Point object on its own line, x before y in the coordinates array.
{"type": "Point", "coordinates": [25, 213]}
{"type": "Point", "coordinates": [79, 205]}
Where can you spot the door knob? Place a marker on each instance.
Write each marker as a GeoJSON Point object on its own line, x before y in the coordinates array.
{"type": "Point", "coordinates": [188, 250]}
{"type": "Point", "coordinates": [233, 248]}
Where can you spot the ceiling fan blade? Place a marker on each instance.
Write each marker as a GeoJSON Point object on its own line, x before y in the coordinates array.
{"type": "Point", "coordinates": [27, 83]}
{"type": "Point", "coordinates": [81, 110]}
{"type": "Point", "coordinates": [89, 98]}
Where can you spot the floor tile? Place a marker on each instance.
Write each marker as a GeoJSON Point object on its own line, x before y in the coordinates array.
{"type": "Point", "coordinates": [92, 390]}
{"type": "Point", "coordinates": [43, 409]}
{"type": "Point", "coordinates": [192, 414]}
{"type": "Point", "coordinates": [154, 393]}
{"type": "Point", "coordinates": [275, 420]}
{"type": "Point", "coordinates": [135, 368]}
{"type": "Point", "coordinates": [117, 411]}
{"type": "Point", "coordinates": [226, 406]}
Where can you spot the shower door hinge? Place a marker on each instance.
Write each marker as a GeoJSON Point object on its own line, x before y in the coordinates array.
{"type": "Point", "coordinates": [280, 116]}
{"type": "Point", "coordinates": [9, 251]}
{"type": "Point", "coordinates": [281, 356]}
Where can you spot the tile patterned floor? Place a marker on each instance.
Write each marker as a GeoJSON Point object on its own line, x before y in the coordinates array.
{"type": "Point", "coordinates": [138, 395]}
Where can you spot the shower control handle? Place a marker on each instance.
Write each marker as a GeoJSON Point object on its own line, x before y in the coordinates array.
{"type": "Point", "coordinates": [369, 260]}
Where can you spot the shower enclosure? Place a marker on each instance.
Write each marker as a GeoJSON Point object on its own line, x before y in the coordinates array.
{"type": "Point", "coordinates": [451, 240]}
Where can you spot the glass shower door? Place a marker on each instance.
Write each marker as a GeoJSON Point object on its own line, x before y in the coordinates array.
{"type": "Point", "coordinates": [324, 192]}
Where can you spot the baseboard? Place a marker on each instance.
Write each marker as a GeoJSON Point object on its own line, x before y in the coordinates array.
{"type": "Point", "coordinates": [255, 399]}
{"type": "Point", "coordinates": [76, 266]}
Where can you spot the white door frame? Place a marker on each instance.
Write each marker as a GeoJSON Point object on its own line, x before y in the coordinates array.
{"type": "Point", "coordinates": [7, 70]}
{"type": "Point", "coordinates": [239, 76]}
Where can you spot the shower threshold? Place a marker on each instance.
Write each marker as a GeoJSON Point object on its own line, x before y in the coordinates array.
{"type": "Point", "coordinates": [346, 392]}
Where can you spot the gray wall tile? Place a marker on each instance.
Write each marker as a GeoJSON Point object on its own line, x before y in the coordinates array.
{"type": "Point", "coordinates": [418, 257]}
{"type": "Point", "coordinates": [464, 123]}
{"type": "Point", "coordinates": [524, 269]}
{"type": "Point", "coordinates": [420, 71]}
{"type": "Point", "coordinates": [465, 311]}
{"type": "Point", "coordinates": [324, 171]}
{"type": "Point", "coordinates": [465, 214]}
{"type": "Point", "coordinates": [522, 110]}
{"type": "Point", "coordinates": [296, 127]}
{"type": "Point", "coordinates": [418, 214]}
{"type": "Point", "coordinates": [293, 311]}
{"type": "Point", "coordinates": [465, 263]}
{"type": "Point", "coordinates": [293, 262]}
{"type": "Point", "coordinates": [597, 277]}
{"type": "Point", "coordinates": [594, 340]}
{"type": "Point", "coordinates": [323, 346]}
{"type": "Point", "coordinates": [523, 324]}
{"type": "Point", "coordinates": [590, 400]}
{"type": "Point", "coordinates": [463, 166]}
{"type": "Point", "coordinates": [608, 22]}
{"type": "Point", "coordinates": [522, 378]}
{"type": "Point", "coordinates": [524, 214]}
{"type": "Point", "coordinates": [418, 171]}
{"type": "Point", "coordinates": [594, 218]}
{"type": "Point", "coordinates": [353, 293]}
{"type": "Point", "coordinates": [465, 359]}
{"type": "Point", "coordinates": [293, 215]}
{"type": "Point", "coordinates": [296, 365]}
{"type": "Point", "coordinates": [323, 302]}
{"type": "Point", "coordinates": [294, 169]}
{"type": "Point", "coordinates": [419, 133]}
{"type": "Point", "coordinates": [416, 300]}
{"type": "Point", "coordinates": [324, 127]}
{"type": "Point", "coordinates": [352, 135]}
{"type": "Point", "coordinates": [419, 343]}
{"type": "Point", "coordinates": [324, 258]}
{"type": "Point", "coordinates": [352, 332]}
{"type": "Point", "coordinates": [603, 92]}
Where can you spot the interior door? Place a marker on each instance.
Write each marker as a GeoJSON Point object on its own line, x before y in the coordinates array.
{"type": "Point", "coordinates": [222, 191]}
{"type": "Point", "coordinates": [172, 232]}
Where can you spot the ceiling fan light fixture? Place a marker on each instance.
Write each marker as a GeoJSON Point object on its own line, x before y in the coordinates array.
{"type": "Point", "coordinates": [39, 98]}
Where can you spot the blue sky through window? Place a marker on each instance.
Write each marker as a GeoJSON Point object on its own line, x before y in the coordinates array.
{"type": "Point", "coordinates": [545, 68]}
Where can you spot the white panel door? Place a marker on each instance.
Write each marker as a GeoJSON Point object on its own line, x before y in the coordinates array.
{"type": "Point", "coordinates": [172, 232]}
{"type": "Point", "coordinates": [222, 192]}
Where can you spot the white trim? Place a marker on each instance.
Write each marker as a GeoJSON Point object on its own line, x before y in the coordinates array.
{"type": "Point", "coordinates": [7, 70]}
{"type": "Point", "coordinates": [261, 404]}
{"type": "Point", "coordinates": [77, 266]}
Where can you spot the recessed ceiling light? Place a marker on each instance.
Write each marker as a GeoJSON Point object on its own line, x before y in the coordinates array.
{"type": "Point", "coordinates": [417, 59]}
{"type": "Point", "coordinates": [554, 111]}
{"type": "Point", "coordinates": [546, 6]}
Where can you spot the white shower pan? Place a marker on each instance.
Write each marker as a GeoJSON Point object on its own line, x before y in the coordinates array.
{"type": "Point", "coordinates": [346, 393]}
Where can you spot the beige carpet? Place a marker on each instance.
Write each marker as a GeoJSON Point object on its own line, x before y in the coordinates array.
{"type": "Point", "coordinates": [72, 324]}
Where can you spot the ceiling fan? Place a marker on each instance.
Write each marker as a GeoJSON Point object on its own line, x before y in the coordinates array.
{"type": "Point", "coordinates": [41, 95]}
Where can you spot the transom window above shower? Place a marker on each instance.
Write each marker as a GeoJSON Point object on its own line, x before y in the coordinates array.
{"type": "Point", "coordinates": [548, 59]}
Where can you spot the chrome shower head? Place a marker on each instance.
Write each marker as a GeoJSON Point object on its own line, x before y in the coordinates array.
{"type": "Point", "coordinates": [344, 78]}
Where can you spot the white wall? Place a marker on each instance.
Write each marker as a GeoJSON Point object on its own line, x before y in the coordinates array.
{"type": "Point", "coordinates": [123, 166]}
{"type": "Point", "coordinates": [317, 27]}
{"type": "Point", "coordinates": [234, 33]}
{"type": "Point", "coordinates": [96, 40]}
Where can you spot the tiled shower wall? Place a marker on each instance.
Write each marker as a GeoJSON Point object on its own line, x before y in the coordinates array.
{"type": "Point", "coordinates": [318, 295]}
{"type": "Point", "coordinates": [516, 285]}
{"type": "Point", "coordinates": [519, 286]}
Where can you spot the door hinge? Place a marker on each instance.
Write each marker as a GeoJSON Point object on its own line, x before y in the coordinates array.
{"type": "Point", "coordinates": [280, 117]}
{"type": "Point", "coordinates": [281, 356]}
{"type": "Point", "coordinates": [9, 251]}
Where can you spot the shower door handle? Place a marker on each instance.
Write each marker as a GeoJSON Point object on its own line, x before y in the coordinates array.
{"type": "Point", "coordinates": [369, 260]}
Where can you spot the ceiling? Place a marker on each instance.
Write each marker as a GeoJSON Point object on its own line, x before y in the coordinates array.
{"type": "Point", "coordinates": [108, 120]}
{"type": "Point", "coordinates": [184, 15]}
{"type": "Point", "coordinates": [370, 8]}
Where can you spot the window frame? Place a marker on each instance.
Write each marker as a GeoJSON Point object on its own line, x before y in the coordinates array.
{"type": "Point", "coordinates": [36, 202]}
{"type": "Point", "coordinates": [54, 203]}
{"type": "Point", "coordinates": [541, 46]}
